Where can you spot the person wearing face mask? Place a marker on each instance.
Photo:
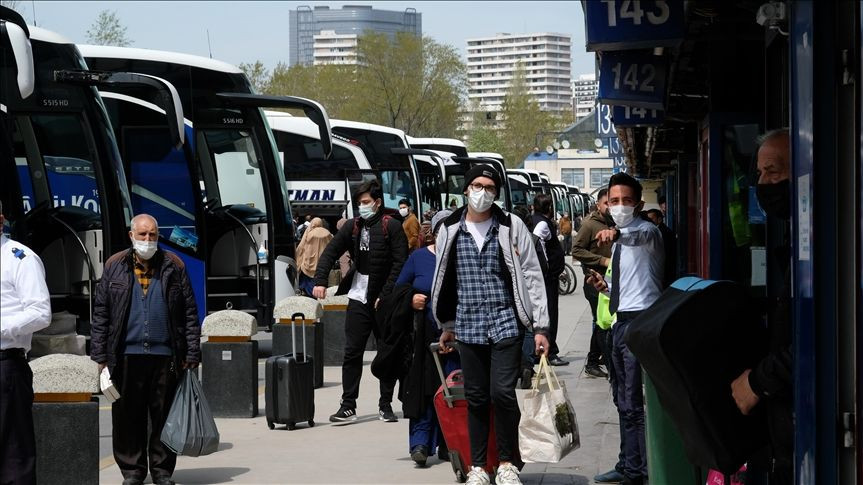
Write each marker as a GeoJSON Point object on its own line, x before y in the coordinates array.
{"type": "Point", "coordinates": [25, 306]}
{"type": "Point", "coordinates": [637, 262]}
{"type": "Point", "coordinates": [145, 331]}
{"type": "Point", "coordinates": [378, 248]}
{"type": "Point", "coordinates": [770, 384]}
{"type": "Point", "coordinates": [487, 290]}
{"type": "Point", "coordinates": [410, 224]}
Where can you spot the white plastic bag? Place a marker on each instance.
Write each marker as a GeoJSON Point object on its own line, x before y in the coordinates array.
{"type": "Point", "coordinates": [548, 429]}
{"type": "Point", "coordinates": [108, 388]}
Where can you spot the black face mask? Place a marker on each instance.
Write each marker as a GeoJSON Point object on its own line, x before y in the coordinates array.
{"type": "Point", "coordinates": [775, 199]}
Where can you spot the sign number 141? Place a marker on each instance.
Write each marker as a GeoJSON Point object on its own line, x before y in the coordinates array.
{"type": "Point", "coordinates": [631, 9]}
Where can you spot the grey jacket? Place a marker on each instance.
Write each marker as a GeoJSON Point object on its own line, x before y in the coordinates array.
{"type": "Point", "coordinates": [518, 259]}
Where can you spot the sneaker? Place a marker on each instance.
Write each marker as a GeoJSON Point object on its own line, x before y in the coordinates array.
{"type": "Point", "coordinates": [419, 454]}
{"type": "Point", "coordinates": [611, 476]}
{"type": "Point", "coordinates": [507, 474]}
{"type": "Point", "coordinates": [344, 415]}
{"type": "Point", "coordinates": [387, 415]}
{"type": "Point", "coordinates": [595, 372]}
{"type": "Point", "coordinates": [442, 452]}
{"type": "Point", "coordinates": [133, 481]}
{"type": "Point", "coordinates": [477, 476]}
{"type": "Point", "coordinates": [557, 361]}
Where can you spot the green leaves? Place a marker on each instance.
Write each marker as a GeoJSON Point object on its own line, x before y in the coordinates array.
{"type": "Point", "coordinates": [107, 30]}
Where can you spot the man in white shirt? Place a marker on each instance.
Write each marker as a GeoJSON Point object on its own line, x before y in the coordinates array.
{"type": "Point", "coordinates": [25, 307]}
{"type": "Point", "coordinates": [637, 261]}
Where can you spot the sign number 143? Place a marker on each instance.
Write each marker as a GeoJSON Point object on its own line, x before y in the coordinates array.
{"type": "Point", "coordinates": [631, 9]}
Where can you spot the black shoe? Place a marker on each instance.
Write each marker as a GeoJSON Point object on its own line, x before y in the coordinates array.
{"type": "Point", "coordinates": [557, 361]}
{"type": "Point", "coordinates": [442, 452]}
{"type": "Point", "coordinates": [133, 481]}
{"type": "Point", "coordinates": [526, 377]}
{"type": "Point", "coordinates": [633, 481]}
{"type": "Point", "coordinates": [163, 481]}
{"type": "Point", "coordinates": [595, 371]}
{"type": "Point", "coordinates": [419, 454]}
{"type": "Point", "coordinates": [611, 476]}
{"type": "Point", "coordinates": [344, 415]}
{"type": "Point", "coordinates": [386, 414]}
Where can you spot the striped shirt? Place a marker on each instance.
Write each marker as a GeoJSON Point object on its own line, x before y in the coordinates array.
{"type": "Point", "coordinates": [144, 276]}
{"type": "Point", "coordinates": [485, 308]}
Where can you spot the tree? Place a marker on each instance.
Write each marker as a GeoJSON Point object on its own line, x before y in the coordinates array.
{"type": "Point", "coordinates": [483, 136]}
{"type": "Point", "coordinates": [257, 74]}
{"type": "Point", "coordinates": [523, 120]}
{"type": "Point", "coordinates": [411, 83]}
{"type": "Point", "coordinates": [334, 86]}
{"type": "Point", "coordinates": [107, 30]}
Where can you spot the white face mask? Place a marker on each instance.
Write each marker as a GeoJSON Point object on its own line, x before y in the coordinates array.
{"type": "Point", "coordinates": [404, 212]}
{"type": "Point", "coordinates": [367, 211]}
{"type": "Point", "coordinates": [145, 249]}
{"type": "Point", "coordinates": [480, 200]}
{"type": "Point", "coordinates": [622, 214]}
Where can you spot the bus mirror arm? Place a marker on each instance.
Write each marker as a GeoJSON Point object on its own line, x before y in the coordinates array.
{"type": "Point", "coordinates": [167, 93]}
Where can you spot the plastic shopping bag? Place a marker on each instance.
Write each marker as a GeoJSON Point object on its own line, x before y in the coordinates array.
{"type": "Point", "coordinates": [107, 386]}
{"type": "Point", "coordinates": [190, 429]}
{"type": "Point", "coordinates": [548, 430]}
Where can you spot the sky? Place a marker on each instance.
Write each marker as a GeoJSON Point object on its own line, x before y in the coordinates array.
{"type": "Point", "coordinates": [254, 30]}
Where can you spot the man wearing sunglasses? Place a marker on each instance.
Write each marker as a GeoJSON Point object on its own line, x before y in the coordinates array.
{"type": "Point", "coordinates": [488, 289]}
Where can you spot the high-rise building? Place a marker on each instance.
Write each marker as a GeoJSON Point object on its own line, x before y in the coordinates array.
{"type": "Point", "coordinates": [306, 22]}
{"type": "Point", "coordinates": [333, 48]}
{"type": "Point", "coordinates": [584, 91]}
{"type": "Point", "coordinates": [546, 58]}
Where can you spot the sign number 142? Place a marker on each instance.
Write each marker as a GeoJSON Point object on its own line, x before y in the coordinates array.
{"type": "Point", "coordinates": [631, 9]}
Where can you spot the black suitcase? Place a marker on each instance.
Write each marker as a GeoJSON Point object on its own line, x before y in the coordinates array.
{"type": "Point", "coordinates": [289, 394]}
{"type": "Point", "coordinates": [693, 342]}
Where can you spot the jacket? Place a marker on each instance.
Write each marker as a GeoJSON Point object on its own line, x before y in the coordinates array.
{"type": "Point", "coordinates": [394, 319]}
{"type": "Point", "coordinates": [565, 226]}
{"type": "Point", "coordinates": [411, 227]}
{"type": "Point", "coordinates": [518, 259]}
{"type": "Point", "coordinates": [585, 249]}
{"type": "Point", "coordinates": [112, 301]}
{"type": "Point", "coordinates": [314, 241]}
{"type": "Point", "coordinates": [387, 254]}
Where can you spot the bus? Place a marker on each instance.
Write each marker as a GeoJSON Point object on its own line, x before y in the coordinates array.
{"type": "Point", "coordinates": [450, 145]}
{"type": "Point", "coordinates": [61, 178]}
{"type": "Point", "coordinates": [220, 198]}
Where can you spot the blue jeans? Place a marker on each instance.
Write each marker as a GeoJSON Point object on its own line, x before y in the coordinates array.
{"type": "Point", "coordinates": [426, 430]}
{"type": "Point", "coordinates": [630, 403]}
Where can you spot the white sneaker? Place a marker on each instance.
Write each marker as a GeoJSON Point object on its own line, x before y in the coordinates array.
{"type": "Point", "coordinates": [507, 474]}
{"type": "Point", "coordinates": [478, 476]}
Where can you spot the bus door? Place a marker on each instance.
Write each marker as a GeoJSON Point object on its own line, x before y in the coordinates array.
{"type": "Point", "coordinates": [249, 230]}
{"type": "Point", "coordinates": [431, 171]}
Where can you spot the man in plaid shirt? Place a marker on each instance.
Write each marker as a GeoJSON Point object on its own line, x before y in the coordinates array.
{"type": "Point", "coordinates": [487, 290]}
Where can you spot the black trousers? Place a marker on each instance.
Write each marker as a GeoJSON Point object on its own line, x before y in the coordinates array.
{"type": "Point", "coordinates": [490, 374]}
{"type": "Point", "coordinates": [17, 439]}
{"type": "Point", "coordinates": [598, 337]}
{"type": "Point", "coordinates": [359, 324]}
{"type": "Point", "coordinates": [146, 394]}
{"type": "Point", "coordinates": [551, 294]}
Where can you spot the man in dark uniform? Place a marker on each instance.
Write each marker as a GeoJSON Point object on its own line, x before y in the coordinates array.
{"type": "Point", "coordinates": [770, 382]}
{"type": "Point", "coordinates": [26, 308]}
{"type": "Point", "coordinates": [145, 330]}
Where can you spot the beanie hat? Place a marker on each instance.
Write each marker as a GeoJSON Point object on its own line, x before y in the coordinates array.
{"type": "Point", "coordinates": [482, 170]}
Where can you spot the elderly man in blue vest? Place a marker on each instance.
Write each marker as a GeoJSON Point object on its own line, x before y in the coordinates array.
{"type": "Point", "coordinates": [145, 330]}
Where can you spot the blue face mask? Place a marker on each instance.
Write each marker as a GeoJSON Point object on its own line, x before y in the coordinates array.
{"type": "Point", "coordinates": [367, 211]}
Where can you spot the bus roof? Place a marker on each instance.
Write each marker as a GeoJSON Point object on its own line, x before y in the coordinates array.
{"type": "Point", "coordinates": [486, 155]}
{"type": "Point", "coordinates": [435, 141]}
{"type": "Point", "coordinates": [159, 56]}
{"type": "Point", "coordinates": [358, 125]}
{"type": "Point", "coordinates": [38, 33]}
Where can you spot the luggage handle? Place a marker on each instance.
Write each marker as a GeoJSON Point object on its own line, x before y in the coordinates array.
{"type": "Point", "coordinates": [434, 348]}
{"type": "Point", "coordinates": [294, 335]}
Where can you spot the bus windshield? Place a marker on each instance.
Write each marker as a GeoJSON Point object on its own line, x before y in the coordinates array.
{"type": "Point", "coordinates": [236, 165]}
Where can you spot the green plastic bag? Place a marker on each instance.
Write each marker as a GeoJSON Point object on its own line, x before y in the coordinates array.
{"type": "Point", "coordinates": [604, 318]}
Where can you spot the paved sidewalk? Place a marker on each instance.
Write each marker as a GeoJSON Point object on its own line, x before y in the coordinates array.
{"type": "Point", "coordinates": [371, 451]}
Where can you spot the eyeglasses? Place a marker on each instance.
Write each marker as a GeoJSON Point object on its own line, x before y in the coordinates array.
{"type": "Point", "coordinates": [491, 189]}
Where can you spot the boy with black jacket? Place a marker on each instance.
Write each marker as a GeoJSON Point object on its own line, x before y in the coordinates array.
{"type": "Point", "coordinates": [378, 249]}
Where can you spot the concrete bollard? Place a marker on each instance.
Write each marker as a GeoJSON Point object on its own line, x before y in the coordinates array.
{"type": "Point", "coordinates": [335, 309]}
{"type": "Point", "coordinates": [229, 364]}
{"type": "Point", "coordinates": [312, 310]}
{"type": "Point", "coordinates": [66, 418]}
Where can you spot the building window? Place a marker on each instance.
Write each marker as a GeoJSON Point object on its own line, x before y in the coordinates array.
{"type": "Point", "coordinates": [572, 176]}
{"type": "Point", "coordinates": [599, 176]}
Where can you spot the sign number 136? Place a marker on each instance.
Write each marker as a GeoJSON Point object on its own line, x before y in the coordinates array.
{"type": "Point", "coordinates": [631, 9]}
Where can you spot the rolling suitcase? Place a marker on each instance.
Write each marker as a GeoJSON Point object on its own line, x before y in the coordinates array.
{"type": "Point", "coordinates": [693, 342]}
{"type": "Point", "coordinates": [451, 408]}
{"type": "Point", "coordinates": [289, 394]}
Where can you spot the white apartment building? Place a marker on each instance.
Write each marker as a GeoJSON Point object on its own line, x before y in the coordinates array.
{"type": "Point", "coordinates": [333, 48]}
{"type": "Point", "coordinates": [546, 58]}
{"type": "Point", "coordinates": [584, 90]}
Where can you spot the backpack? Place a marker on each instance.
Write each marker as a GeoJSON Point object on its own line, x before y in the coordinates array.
{"type": "Point", "coordinates": [385, 221]}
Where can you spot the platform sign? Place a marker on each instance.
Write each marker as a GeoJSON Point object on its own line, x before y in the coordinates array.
{"type": "Point", "coordinates": [636, 78]}
{"type": "Point", "coordinates": [635, 116]}
{"type": "Point", "coordinates": [604, 121]}
{"type": "Point", "coordinates": [615, 152]}
{"type": "Point", "coordinates": [633, 24]}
